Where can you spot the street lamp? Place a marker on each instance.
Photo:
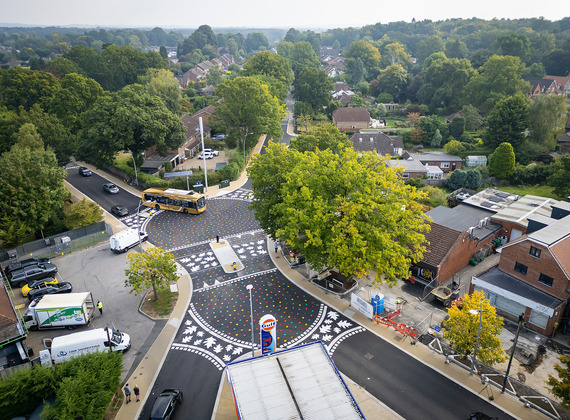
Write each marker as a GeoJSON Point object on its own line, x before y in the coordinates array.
{"type": "Point", "coordinates": [521, 322]}
{"type": "Point", "coordinates": [135, 167]}
{"type": "Point", "coordinates": [244, 138]}
{"type": "Point", "coordinates": [249, 287]}
{"type": "Point", "coordinates": [139, 225]}
{"type": "Point", "coordinates": [474, 312]}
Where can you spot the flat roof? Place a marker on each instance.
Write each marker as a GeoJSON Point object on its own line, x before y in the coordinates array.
{"type": "Point", "coordinates": [408, 165]}
{"type": "Point", "coordinates": [301, 382]}
{"type": "Point", "coordinates": [462, 218]}
{"type": "Point", "coordinates": [528, 206]}
{"type": "Point", "coordinates": [491, 199]}
{"type": "Point", "coordinates": [63, 299]}
{"type": "Point", "coordinates": [554, 232]}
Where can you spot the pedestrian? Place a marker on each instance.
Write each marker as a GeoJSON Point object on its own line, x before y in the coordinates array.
{"type": "Point", "coordinates": [234, 265]}
{"type": "Point", "coordinates": [218, 239]}
{"type": "Point", "coordinates": [137, 392]}
{"type": "Point", "coordinates": [100, 307]}
{"type": "Point", "coordinates": [276, 246]}
{"type": "Point", "coordinates": [127, 394]}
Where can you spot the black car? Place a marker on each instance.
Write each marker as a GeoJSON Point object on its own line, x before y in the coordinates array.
{"type": "Point", "coordinates": [119, 211]}
{"type": "Point", "coordinates": [25, 263]}
{"type": "Point", "coordinates": [83, 171]}
{"type": "Point", "coordinates": [25, 275]}
{"type": "Point", "coordinates": [111, 188]}
{"type": "Point", "coordinates": [165, 404]}
{"type": "Point", "coordinates": [48, 289]}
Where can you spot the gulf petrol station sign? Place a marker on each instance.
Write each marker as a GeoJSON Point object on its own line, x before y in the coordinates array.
{"type": "Point", "coordinates": [268, 330]}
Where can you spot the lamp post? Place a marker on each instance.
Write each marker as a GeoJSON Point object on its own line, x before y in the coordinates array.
{"type": "Point", "coordinates": [139, 225]}
{"type": "Point", "coordinates": [135, 167]}
{"type": "Point", "coordinates": [521, 322]}
{"type": "Point", "coordinates": [474, 312]}
{"type": "Point", "coordinates": [244, 139]}
{"type": "Point", "coordinates": [249, 287]}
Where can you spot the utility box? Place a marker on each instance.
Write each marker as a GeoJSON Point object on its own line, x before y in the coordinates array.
{"type": "Point", "coordinates": [225, 183]}
{"type": "Point", "coordinates": [199, 188]}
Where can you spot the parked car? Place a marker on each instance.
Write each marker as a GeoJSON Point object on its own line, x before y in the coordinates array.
{"type": "Point", "coordinates": [165, 404]}
{"type": "Point", "coordinates": [111, 188]}
{"type": "Point", "coordinates": [25, 263]}
{"type": "Point", "coordinates": [219, 136]}
{"type": "Point", "coordinates": [119, 211]}
{"type": "Point", "coordinates": [212, 151]}
{"type": "Point", "coordinates": [25, 275]}
{"type": "Point", "coordinates": [83, 171]}
{"type": "Point", "coordinates": [206, 155]}
{"type": "Point", "coordinates": [36, 284]}
{"type": "Point", "coordinates": [48, 289]}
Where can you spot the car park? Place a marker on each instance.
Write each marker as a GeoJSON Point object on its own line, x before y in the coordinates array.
{"type": "Point", "coordinates": [212, 151]}
{"type": "Point", "coordinates": [165, 404]}
{"type": "Point", "coordinates": [25, 263]}
{"type": "Point", "coordinates": [25, 275]}
{"type": "Point", "coordinates": [36, 284]}
{"type": "Point", "coordinates": [83, 171]}
{"type": "Point", "coordinates": [48, 289]}
{"type": "Point", "coordinates": [119, 211]}
{"type": "Point", "coordinates": [111, 188]}
{"type": "Point", "coordinates": [205, 155]}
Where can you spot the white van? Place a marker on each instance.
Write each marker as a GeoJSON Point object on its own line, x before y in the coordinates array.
{"type": "Point", "coordinates": [68, 346]}
{"type": "Point", "coordinates": [123, 241]}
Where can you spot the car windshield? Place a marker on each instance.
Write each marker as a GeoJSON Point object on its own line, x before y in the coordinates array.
{"type": "Point", "coordinates": [116, 338]}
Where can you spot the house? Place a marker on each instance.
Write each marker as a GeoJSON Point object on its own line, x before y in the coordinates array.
{"type": "Point", "coordinates": [543, 87]}
{"type": "Point", "coordinates": [450, 118]}
{"type": "Point", "coordinates": [472, 161]}
{"type": "Point", "coordinates": [491, 200]}
{"type": "Point", "coordinates": [563, 83]}
{"type": "Point", "coordinates": [447, 163]}
{"type": "Point", "coordinates": [532, 275]}
{"type": "Point", "coordinates": [351, 119]}
{"type": "Point", "coordinates": [564, 139]}
{"type": "Point", "coordinates": [208, 90]}
{"type": "Point", "coordinates": [456, 235]}
{"type": "Point", "coordinates": [411, 168]}
{"type": "Point", "coordinates": [377, 142]}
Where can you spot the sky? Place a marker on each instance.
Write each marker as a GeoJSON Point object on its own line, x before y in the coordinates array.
{"type": "Point", "coordinates": [300, 14]}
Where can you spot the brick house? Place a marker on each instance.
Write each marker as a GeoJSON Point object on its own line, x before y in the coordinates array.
{"type": "Point", "coordinates": [351, 119]}
{"type": "Point", "coordinates": [377, 142]}
{"type": "Point", "coordinates": [533, 273]}
{"type": "Point", "coordinates": [411, 168]}
{"type": "Point", "coordinates": [447, 163]}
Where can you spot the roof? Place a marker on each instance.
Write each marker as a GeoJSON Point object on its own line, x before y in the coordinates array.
{"type": "Point", "coordinates": [514, 286]}
{"type": "Point", "coordinates": [408, 165]}
{"type": "Point", "coordinates": [64, 299]}
{"type": "Point", "coordinates": [377, 142]}
{"type": "Point", "coordinates": [491, 199]}
{"type": "Point", "coordinates": [462, 218]}
{"type": "Point", "coordinates": [435, 157]}
{"type": "Point", "coordinates": [441, 239]}
{"type": "Point", "coordinates": [351, 115]}
{"type": "Point", "coordinates": [10, 328]}
{"type": "Point", "coordinates": [301, 382]}
{"type": "Point", "coordinates": [520, 210]}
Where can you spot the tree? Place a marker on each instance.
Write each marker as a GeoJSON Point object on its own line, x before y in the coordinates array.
{"type": "Point", "coordinates": [154, 268]}
{"type": "Point", "coordinates": [473, 119]}
{"type": "Point", "coordinates": [31, 187]}
{"type": "Point", "coordinates": [498, 78]}
{"type": "Point", "coordinates": [199, 39]}
{"type": "Point", "coordinates": [314, 87]}
{"type": "Point", "coordinates": [248, 109]}
{"type": "Point", "coordinates": [516, 45]}
{"type": "Point", "coordinates": [457, 126]}
{"type": "Point", "coordinates": [368, 54]}
{"type": "Point", "coordinates": [453, 147]}
{"type": "Point", "coordinates": [462, 329]}
{"type": "Point", "coordinates": [130, 119]}
{"type": "Point", "coordinates": [394, 53]}
{"type": "Point", "coordinates": [560, 178]}
{"type": "Point", "coordinates": [508, 122]}
{"type": "Point", "coordinates": [456, 49]}
{"type": "Point", "coordinates": [302, 55]}
{"type": "Point", "coordinates": [60, 67]}
{"type": "Point", "coordinates": [433, 44]}
{"type": "Point", "coordinates": [561, 387]}
{"type": "Point", "coordinates": [436, 140]}
{"type": "Point", "coordinates": [322, 137]}
{"type": "Point", "coordinates": [162, 51]}
{"type": "Point", "coordinates": [162, 83]}
{"type": "Point", "coordinates": [393, 80]}
{"type": "Point", "coordinates": [355, 71]}
{"type": "Point", "coordinates": [214, 76]}
{"type": "Point", "coordinates": [464, 179]}
{"type": "Point", "coordinates": [534, 71]}
{"type": "Point", "coordinates": [83, 213]}
{"type": "Point", "coordinates": [266, 63]}
{"type": "Point", "coordinates": [255, 41]}
{"type": "Point", "coordinates": [545, 121]}
{"type": "Point", "coordinates": [339, 210]}
{"type": "Point", "coordinates": [23, 87]}
{"type": "Point", "coordinates": [502, 161]}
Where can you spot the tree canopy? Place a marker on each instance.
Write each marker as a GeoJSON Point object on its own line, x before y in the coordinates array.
{"type": "Point", "coordinates": [266, 63]}
{"type": "Point", "coordinates": [302, 55]}
{"type": "Point", "coordinates": [560, 178]}
{"type": "Point", "coordinates": [339, 209]}
{"type": "Point", "coordinates": [368, 54]}
{"type": "Point", "coordinates": [155, 268]}
{"type": "Point", "coordinates": [508, 122]}
{"type": "Point", "coordinates": [393, 80]}
{"type": "Point", "coordinates": [560, 386]}
{"type": "Point", "coordinates": [313, 86]}
{"type": "Point", "coordinates": [502, 161]}
{"type": "Point", "coordinates": [545, 121]}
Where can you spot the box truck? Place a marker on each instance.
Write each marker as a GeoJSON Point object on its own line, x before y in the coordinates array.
{"type": "Point", "coordinates": [64, 348]}
{"type": "Point", "coordinates": [67, 310]}
{"type": "Point", "coordinates": [123, 241]}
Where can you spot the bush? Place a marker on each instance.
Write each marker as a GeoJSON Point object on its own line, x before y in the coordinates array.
{"type": "Point", "coordinates": [167, 166]}
{"type": "Point", "coordinates": [436, 197]}
{"type": "Point", "coordinates": [415, 182]}
{"type": "Point", "coordinates": [385, 98]}
{"type": "Point", "coordinates": [532, 174]}
{"type": "Point", "coordinates": [464, 179]}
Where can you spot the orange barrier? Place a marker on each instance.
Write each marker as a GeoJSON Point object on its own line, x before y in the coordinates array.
{"type": "Point", "coordinates": [401, 328]}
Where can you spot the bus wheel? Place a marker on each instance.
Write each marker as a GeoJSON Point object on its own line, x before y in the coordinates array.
{"type": "Point", "coordinates": [185, 211]}
{"type": "Point", "coordinates": [157, 207]}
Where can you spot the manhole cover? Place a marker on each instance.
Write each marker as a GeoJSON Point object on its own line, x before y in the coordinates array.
{"type": "Point", "coordinates": [368, 356]}
{"type": "Point", "coordinates": [398, 338]}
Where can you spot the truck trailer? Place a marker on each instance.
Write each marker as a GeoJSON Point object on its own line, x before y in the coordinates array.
{"type": "Point", "coordinates": [68, 310]}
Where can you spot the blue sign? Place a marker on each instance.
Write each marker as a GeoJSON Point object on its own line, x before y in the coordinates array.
{"type": "Point", "coordinates": [268, 327]}
{"type": "Point", "coordinates": [198, 182]}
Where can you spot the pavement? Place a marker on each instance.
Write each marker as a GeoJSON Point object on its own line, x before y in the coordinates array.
{"type": "Point", "coordinates": [146, 372]}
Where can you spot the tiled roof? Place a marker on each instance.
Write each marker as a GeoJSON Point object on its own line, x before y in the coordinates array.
{"type": "Point", "coordinates": [376, 142]}
{"type": "Point", "coordinates": [561, 252]}
{"type": "Point", "coordinates": [351, 115]}
{"type": "Point", "coordinates": [435, 157]}
{"type": "Point", "coordinates": [441, 239]}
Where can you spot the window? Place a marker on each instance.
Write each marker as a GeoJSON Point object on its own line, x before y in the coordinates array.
{"type": "Point", "coordinates": [521, 268]}
{"type": "Point", "coordinates": [535, 252]}
{"type": "Point", "coordinates": [544, 279]}
{"type": "Point", "coordinates": [445, 164]}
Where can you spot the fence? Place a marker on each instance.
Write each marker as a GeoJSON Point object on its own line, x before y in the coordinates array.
{"type": "Point", "coordinates": [60, 244]}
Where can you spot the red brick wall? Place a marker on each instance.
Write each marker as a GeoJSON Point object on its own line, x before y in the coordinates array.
{"type": "Point", "coordinates": [546, 264]}
{"type": "Point", "coordinates": [508, 227]}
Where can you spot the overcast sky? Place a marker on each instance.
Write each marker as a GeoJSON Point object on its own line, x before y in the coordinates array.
{"type": "Point", "coordinates": [263, 13]}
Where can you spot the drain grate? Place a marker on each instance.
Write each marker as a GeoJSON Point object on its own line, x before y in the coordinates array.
{"type": "Point", "coordinates": [368, 356]}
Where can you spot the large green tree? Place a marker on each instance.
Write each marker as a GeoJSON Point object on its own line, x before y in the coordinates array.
{"type": "Point", "coordinates": [162, 83]}
{"type": "Point", "coordinates": [248, 110]}
{"type": "Point", "coordinates": [561, 386]}
{"type": "Point", "coordinates": [130, 119]}
{"type": "Point", "coordinates": [516, 45]}
{"type": "Point", "coordinates": [155, 268]}
{"type": "Point", "coordinates": [321, 137]}
{"type": "Point", "coordinates": [339, 210]}
{"type": "Point", "coordinates": [266, 63]}
{"type": "Point", "coordinates": [314, 87]}
{"type": "Point", "coordinates": [508, 122]}
{"type": "Point", "coordinates": [24, 87]}
{"type": "Point", "coordinates": [302, 55]}
{"type": "Point", "coordinates": [394, 53]}
{"type": "Point", "coordinates": [393, 80]}
{"type": "Point", "coordinates": [369, 55]}
{"type": "Point", "coordinates": [560, 178]}
{"type": "Point", "coordinates": [31, 187]}
{"type": "Point", "coordinates": [498, 78]}
{"type": "Point", "coordinates": [502, 161]}
{"type": "Point", "coordinates": [545, 119]}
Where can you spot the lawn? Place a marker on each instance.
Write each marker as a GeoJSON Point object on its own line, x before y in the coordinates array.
{"type": "Point", "coordinates": [539, 190]}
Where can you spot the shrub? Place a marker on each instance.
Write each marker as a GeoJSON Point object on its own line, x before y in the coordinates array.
{"type": "Point", "coordinates": [532, 174]}
{"type": "Point", "coordinates": [385, 98]}
{"type": "Point", "coordinates": [436, 197]}
{"type": "Point", "coordinates": [167, 166]}
{"type": "Point", "coordinates": [464, 179]}
{"type": "Point", "coordinates": [415, 182]}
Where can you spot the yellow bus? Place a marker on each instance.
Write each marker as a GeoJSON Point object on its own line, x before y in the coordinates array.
{"type": "Point", "coordinates": [175, 200]}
